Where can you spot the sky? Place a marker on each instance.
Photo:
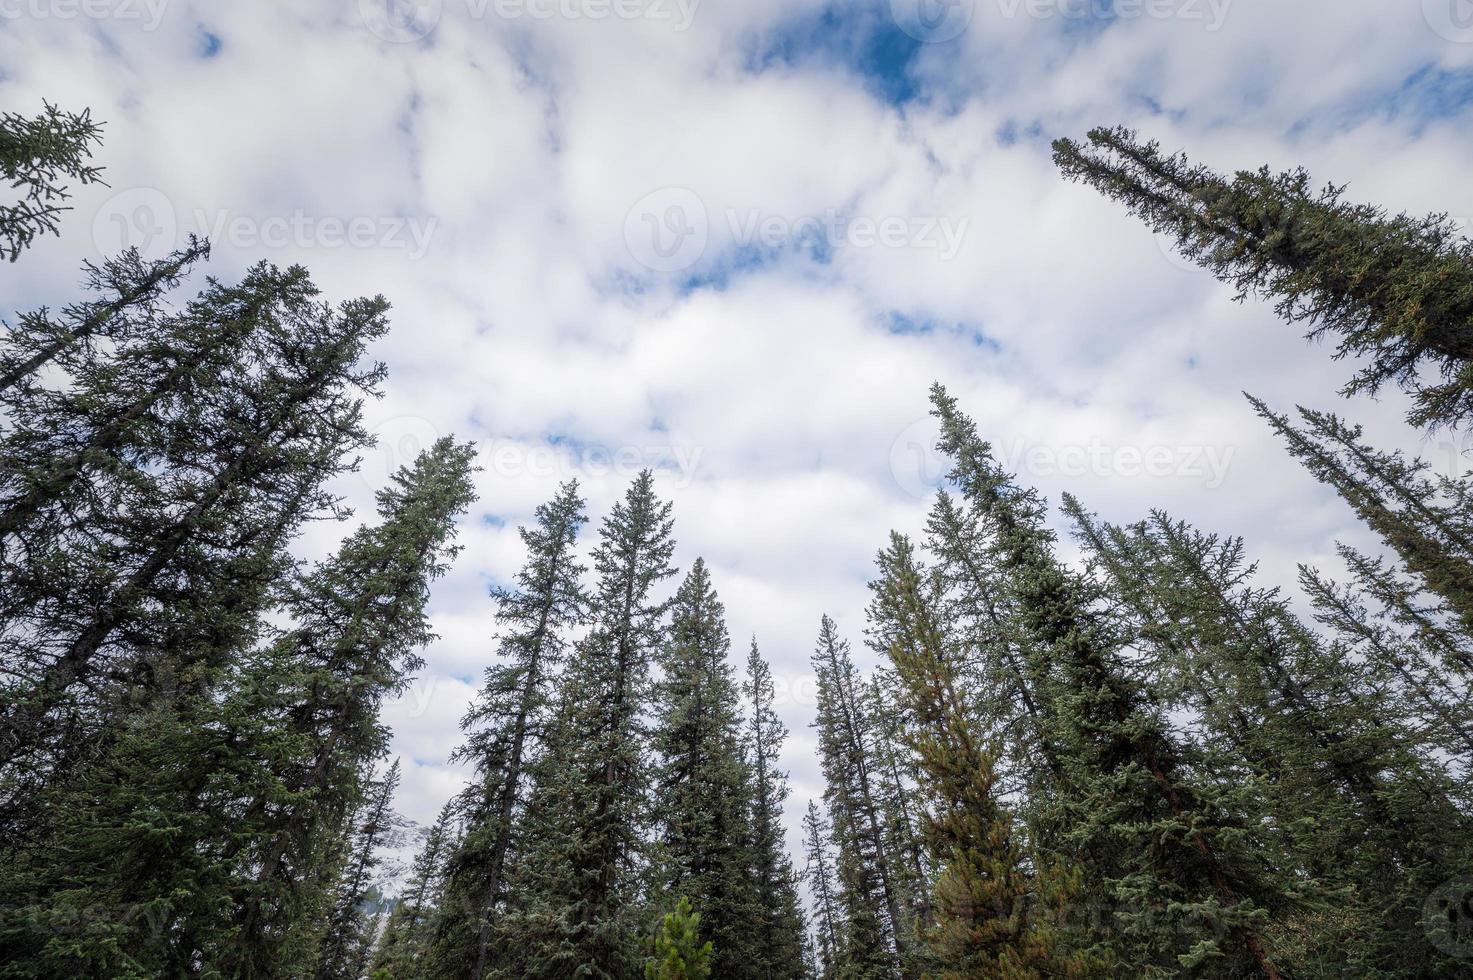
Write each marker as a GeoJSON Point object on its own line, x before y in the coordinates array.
{"type": "Point", "coordinates": [736, 241]}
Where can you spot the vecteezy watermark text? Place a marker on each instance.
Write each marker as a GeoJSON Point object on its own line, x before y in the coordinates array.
{"type": "Point", "coordinates": [668, 230]}
{"type": "Point", "coordinates": [404, 21]}
{"type": "Point", "coordinates": [1210, 13]}
{"type": "Point", "coordinates": [146, 13]}
{"type": "Point", "coordinates": [513, 459]}
{"type": "Point", "coordinates": [920, 469]}
{"type": "Point", "coordinates": [146, 219]}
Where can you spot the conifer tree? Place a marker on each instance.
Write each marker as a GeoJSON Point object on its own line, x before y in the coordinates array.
{"type": "Point", "coordinates": [403, 950]}
{"type": "Point", "coordinates": [679, 953]}
{"type": "Point", "coordinates": [119, 793]}
{"type": "Point", "coordinates": [344, 948]}
{"type": "Point", "coordinates": [818, 873]}
{"type": "Point", "coordinates": [1163, 855]}
{"type": "Point", "coordinates": [359, 620]}
{"type": "Point", "coordinates": [1336, 775]}
{"type": "Point", "coordinates": [577, 911]}
{"type": "Point", "coordinates": [991, 918]}
{"type": "Point", "coordinates": [231, 417]}
{"type": "Point", "coordinates": [872, 945]}
{"type": "Point", "coordinates": [1428, 522]}
{"type": "Point", "coordinates": [779, 931]}
{"type": "Point", "coordinates": [994, 666]}
{"type": "Point", "coordinates": [127, 292]}
{"type": "Point", "coordinates": [896, 776]}
{"type": "Point", "coordinates": [1397, 291]}
{"type": "Point", "coordinates": [1405, 652]}
{"type": "Point", "coordinates": [506, 726]}
{"type": "Point", "coordinates": [36, 154]}
{"type": "Point", "coordinates": [701, 789]}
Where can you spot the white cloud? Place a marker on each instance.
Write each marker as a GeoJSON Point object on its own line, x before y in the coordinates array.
{"type": "Point", "coordinates": [527, 142]}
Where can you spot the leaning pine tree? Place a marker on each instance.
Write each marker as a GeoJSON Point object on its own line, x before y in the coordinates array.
{"type": "Point", "coordinates": [309, 703]}
{"type": "Point", "coordinates": [1395, 290]}
{"type": "Point", "coordinates": [1162, 853]}
{"type": "Point", "coordinates": [506, 728]}
{"type": "Point", "coordinates": [576, 885]}
{"type": "Point", "coordinates": [991, 917]}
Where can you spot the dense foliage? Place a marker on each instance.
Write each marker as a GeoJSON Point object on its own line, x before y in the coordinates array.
{"type": "Point", "coordinates": [1146, 763]}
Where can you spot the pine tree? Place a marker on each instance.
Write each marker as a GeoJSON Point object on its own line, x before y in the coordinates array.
{"type": "Point", "coordinates": [359, 620]}
{"type": "Point", "coordinates": [1336, 773]}
{"type": "Point", "coordinates": [506, 726]}
{"type": "Point", "coordinates": [36, 153]}
{"type": "Point", "coordinates": [993, 667]}
{"type": "Point", "coordinates": [679, 953]}
{"type": "Point", "coordinates": [701, 782]}
{"type": "Point", "coordinates": [1396, 290]}
{"type": "Point", "coordinates": [1427, 522]}
{"type": "Point", "coordinates": [403, 950]}
{"type": "Point", "coordinates": [779, 931]}
{"type": "Point", "coordinates": [1160, 851]}
{"type": "Point", "coordinates": [350, 934]}
{"type": "Point", "coordinates": [128, 293]}
{"type": "Point", "coordinates": [896, 776]}
{"type": "Point", "coordinates": [990, 917]}
{"type": "Point", "coordinates": [819, 874]}
{"type": "Point", "coordinates": [576, 885]}
{"type": "Point", "coordinates": [156, 521]}
{"type": "Point", "coordinates": [120, 805]}
{"type": "Point", "coordinates": [871, 946]}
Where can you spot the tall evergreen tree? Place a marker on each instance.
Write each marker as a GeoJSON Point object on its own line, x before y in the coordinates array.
{"type": "Point", "coordinates": [577, 909]}
{"type": "Point", "coordinates": [872, 945]}
{"type": "Point", "coordinates": [144, 598]}
{"type": "Point", "coordinates": [1160, 850]}
{"type": "Point", "coordinates": [139, 533]}
{"type": "Point", "coordinates": [1397, 291]}
{"type": "Point", "coordinates": [701, 781]}
{"type": "Point", "coordinates": [359, 620]}
{"type": "Point", "coordinates": [1358, 821]}
{"type": "Point", "coordinates": [993, 665]}
{"type": "Point", "coordinates": [818, 874]}
{"type": "Point", "coordinates": [992, 918]}
{"type": "Point", "coordinates": [506, 726]}
{"type": "Point", "coordinates": [403, 950]}
{"type": "Point", "coordinates": [1427, 521]}
{"type": "Point", "coordinates": [36, 154]}
{"type": "Point", "coordinates": [344, 948]}
{"type": "Point", "coordinates": [779, 930]}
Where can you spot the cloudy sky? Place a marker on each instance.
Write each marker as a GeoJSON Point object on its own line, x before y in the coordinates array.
{"type": "Point", "coordinates": [737, 240]}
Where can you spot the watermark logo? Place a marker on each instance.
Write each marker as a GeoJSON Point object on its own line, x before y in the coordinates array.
{"type": "Point", "coordinates": [1451, 20]}
{"type": "Point", "coordinates": [1210, 13]}
{"type": "Point", "coordinates": [145, 218]}
{"type": "Point", "coordinates": [513, 460]}
{"type": "Point", "coordinates": [919, 468]}
{"type": "Point", "coordinates": [138, 217]}
{"type": "Point", "coordinates": [667, 230]}
{"type": "Point", "coordinates": [932, 21]}
{"type": "Point", "coordinates": [147, 14]}
{"type": "Point", "coordinates": [400, 21]}
{"type": "Point", "coordinates": [1447, 918]}
{"type": "Point", "coordinates": [398, 441]}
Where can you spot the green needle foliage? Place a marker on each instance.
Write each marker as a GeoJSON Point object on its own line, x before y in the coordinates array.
{"type": "Point", "coordinates": [679, 953]}
{"type": "Point", "coordinates": [1394, 290]}
{"type": "Point", "coordinates": [36, 154]}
